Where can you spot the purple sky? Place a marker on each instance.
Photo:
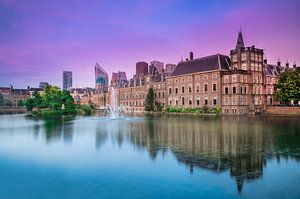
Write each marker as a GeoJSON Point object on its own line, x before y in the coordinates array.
{"type": "Point", "coordinates": [39, 39]}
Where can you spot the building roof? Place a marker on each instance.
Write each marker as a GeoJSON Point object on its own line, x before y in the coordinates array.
{"type": "Point", "coordinates": [273, 70]}
{"type": "Point", "coordinates": [240, 41]}
{"type": "Point", "coordinates": [213, 62]}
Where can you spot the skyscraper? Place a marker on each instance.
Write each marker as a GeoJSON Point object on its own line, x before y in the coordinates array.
{"type": "Point", "coordinates": [141, 68]}
{"type": "Point", "coordinates": [101, 78]}
{"type": "Point", "coordinates": [158, 65]}
{"type": "Point", "coordinates": [67, 80]}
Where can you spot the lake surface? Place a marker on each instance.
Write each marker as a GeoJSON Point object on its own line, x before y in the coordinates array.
{"type": "Point", "coordinates": [149, 157]}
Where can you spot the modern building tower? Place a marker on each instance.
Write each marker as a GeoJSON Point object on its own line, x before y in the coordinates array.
{"type": "Point", "coordinates": [67, 80]}
{"type": "Point", "coordinates": [158, 65]}
{"type": "Point", "coordinates": [141, 68]}
{"type": "Point", "coordinates": [101, 78]}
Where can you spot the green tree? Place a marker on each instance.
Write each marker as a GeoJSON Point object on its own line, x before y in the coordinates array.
{"type": "Point", "coordinates": [149, 103]}
{"type": "Point", "coordinates": [29, 104]}
{"type": "Point", "coordinates": [288, 86]}
{"type": "Point", "coordinates": [1, 100]}
{"type": "Point", "coordinates": [20, 103]}
{"type": "Point", "coordinates": [38, 101]}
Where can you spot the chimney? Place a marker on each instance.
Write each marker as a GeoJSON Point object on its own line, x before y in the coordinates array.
{"type": "Point", "coordinates": [278, 63]}
{"type": "Point", "coordinates": [265, 61]}
{"type": "Point", "coordinates": [191, 55]}
{"type": "Point", "coordinates": [287, 65]}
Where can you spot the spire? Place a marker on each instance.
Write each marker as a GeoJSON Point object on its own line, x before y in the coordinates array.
{"type": "Point", "coordinates": [240, 41]}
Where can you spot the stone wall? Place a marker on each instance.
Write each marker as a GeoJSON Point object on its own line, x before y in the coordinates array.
{"type": "Point", "coordinates": [282, 110]}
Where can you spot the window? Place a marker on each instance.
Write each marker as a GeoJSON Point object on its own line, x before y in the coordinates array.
{"type": "Point", "coordinates": [214, 87]}
{"type": "Point", "coordinates": [226, 90]}
{"type": "Point", "coordinates": [190, 101]}
{"type": "Point", "coordinates": [163, 94]}
{"type": "Point", "coordinates": [198, 101]}
{"type": "Point", "coordinates": [176, 102]}
{"type": "Point", "coordinates": [233, 90]}
{"type": "Point", "coordinates": [197, 88]}
{"type": "Point", "coordinates": [205, 87]}
{"type": "Point", "coordinates": [245, 90]}
{"type": "Point", "coordinates": [243, 56]}
{"type": "Point", "coordinates": [241, 90]}
{"type": "Point", "coordinates": [206, 101]}
{"type": "Point", "coordinates": [215, 100]}
{"type": "Point", "coordinates": [190, 89]}
{"type": "Point", "coordinates": [170, 90]}
{"type": "Point", "coordinates": [226, 100]}
{"type": "Point", "coordinates": [176, 90]}
{"type": "Point", "coordinates": [182, 89]}
{"type": "Point", "coordinates": [182, 100]}
{"type": "Point", "coordinates": [234, 78]}
{"type": "Point", "coordinates": [170, 102]}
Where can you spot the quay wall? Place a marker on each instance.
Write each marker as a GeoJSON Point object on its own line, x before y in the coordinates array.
{"type": "Point", "coordinates": [282, 110]}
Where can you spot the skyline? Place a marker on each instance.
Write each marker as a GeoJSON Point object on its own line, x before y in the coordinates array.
{"type": "Point", "coordinates": [39, 40]}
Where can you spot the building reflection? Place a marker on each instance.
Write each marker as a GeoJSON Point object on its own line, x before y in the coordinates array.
{"type": "Point", "coordinates": [216, 144]}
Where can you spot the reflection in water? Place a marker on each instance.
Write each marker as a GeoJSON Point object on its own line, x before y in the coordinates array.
{"type": "Point", "coordinates": [218, 144]}
{"type": "Point", "coordinates": [55, 128]}
{"type": "Point", "coordinates": [241, 146]}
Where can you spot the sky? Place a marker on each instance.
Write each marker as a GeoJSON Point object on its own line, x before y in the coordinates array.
{"type": "Point", "coordinates": [39, 39]}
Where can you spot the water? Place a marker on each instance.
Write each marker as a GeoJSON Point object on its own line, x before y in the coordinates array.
{"type": "Point", "coordinates": [149, 157]}
{"type": "Point", "coordinates": [114, 110]}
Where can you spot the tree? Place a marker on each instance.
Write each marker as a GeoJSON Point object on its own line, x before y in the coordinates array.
{"type": "Point", "coordinates": [149, 103]}
{"type": "Point", "coordinates": [1, 100]}
{"type": "Point", "coordinates": [20, 103]}
{"type": "Point", "coordinates": [288, 86]}
{"type": "Point", "coordinates": [29, 103]}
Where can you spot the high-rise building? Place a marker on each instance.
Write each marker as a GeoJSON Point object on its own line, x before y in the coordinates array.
{"type": "Point", "coordinates": [42, 85]}
{"type": "Point", "coordinates": [170, 68]}
{"type": "Point", "coordinates": [67, 80]}
{"type": "Point", "coordinates": [141, 68]}
{"type": "Point", "coordinates": [158, 65]}
{"type": "Point", "coordinates": [101, 78]}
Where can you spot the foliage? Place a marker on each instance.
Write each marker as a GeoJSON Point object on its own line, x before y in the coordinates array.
{"type": "Point", "coordinates": [29, 104]}
{"type": "Point", "coordinates": [1, 100]}
{"type": "Point", "coordinates": [87, 109]}
{"type": "Point", "coordinates": [204, 109]}
{"type": "Point", "coordinates": [149, 103]}
{"type": "Point", "coordinates": [20, 103]}
{"type": "Point", "coordinates": [52, 101]}
{"type": "Point", "coordinates": [288, 86]}
{"type": "Point", "coordinates": [160, 108]}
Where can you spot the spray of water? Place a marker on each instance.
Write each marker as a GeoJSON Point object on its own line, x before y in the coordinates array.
{"type": "Point", "coordinates": [114, 110]}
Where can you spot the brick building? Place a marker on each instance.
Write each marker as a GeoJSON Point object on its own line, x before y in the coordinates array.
{"type": "Point", "coordinates": [239, 83]}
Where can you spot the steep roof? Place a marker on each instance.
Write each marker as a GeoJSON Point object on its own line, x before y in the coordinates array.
{"type": "Point", "coordinates": [273, 70]}
{"type": "Point", "coordinates": [213, 62]}
{"type": "Point", "coordinates": [240, 41]}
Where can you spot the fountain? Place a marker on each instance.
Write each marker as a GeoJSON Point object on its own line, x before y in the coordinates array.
{"type": "Point", "coordinates": [114, 110]}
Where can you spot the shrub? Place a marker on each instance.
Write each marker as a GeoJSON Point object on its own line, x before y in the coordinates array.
{"type": "Point", "coordinates": [87, 109]}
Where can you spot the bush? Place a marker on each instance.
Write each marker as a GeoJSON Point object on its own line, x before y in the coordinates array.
{"type": "Point", "coordinates": [87, 109]}
{"type": "Point", "coordinates": [205, 109]}
{"type": "Point", "coordinates": [160, 108]}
